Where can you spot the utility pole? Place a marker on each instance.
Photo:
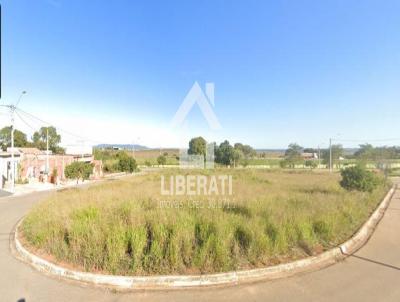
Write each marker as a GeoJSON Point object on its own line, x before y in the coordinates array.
{"type": "Point", "coordinates": [319, 156]}
{"type": "Point", "coordinates": [12, 108]}
{"type": "Point", "coordinates": [330, 155]}
{"type": "Point", "coordinates": [47, 151]}
{"type": "Point", "coordinates": [12, 111]}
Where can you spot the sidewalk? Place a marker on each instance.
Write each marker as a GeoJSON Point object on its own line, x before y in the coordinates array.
{"type": "Point", "coordinates": [40, 186]}
{"type": "Point", "coordinates": [20, 189]}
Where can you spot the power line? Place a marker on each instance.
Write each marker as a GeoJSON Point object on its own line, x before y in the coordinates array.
{"type": "Point", "coordinates": [59, 128]}
{"type": "Point", "coordinates": [25, 122]}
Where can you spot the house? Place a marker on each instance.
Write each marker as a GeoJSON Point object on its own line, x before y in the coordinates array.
{"type": "Point", "coordinates": [309, 155]}
{"type": "Point", "coordinates": [6, 174]}
{"type": "Point", "coordinates": [37, 165]}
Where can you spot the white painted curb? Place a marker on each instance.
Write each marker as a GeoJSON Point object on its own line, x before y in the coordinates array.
{"type": "Point", "coordinates": [364, 233]}
{"type": "Point", "coordinates": [176, 281]}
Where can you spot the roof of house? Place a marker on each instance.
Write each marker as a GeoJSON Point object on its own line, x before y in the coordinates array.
{"type": "Point", "coordinates": [30, 151]}
{"type": "Point", "coordinates": [7, 154]}
{"type": "Point", "coordinates": [23, 150]}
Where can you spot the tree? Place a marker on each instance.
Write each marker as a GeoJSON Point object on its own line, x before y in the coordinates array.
{"type": "Point", "coordinates": [20, 139]}
{"type": "Point", "coordinates": [197, 146]}
{"type": "Point", "coordinates": [337, 153]}
{"type": "Point", "coordinates": [126, 163]}
{"type": "Point", "coordinates": [78, 170]}
{"type": "Point", "coordinates": [309, 150]}
{"type": "Point", "coordinates": [366, 151]}
{"type": "Point", "coordinates": [293, 154]}
{"type": "Point", "coordinates": [248, 151]}
{"type": "Point", "coordinates": [40, 139]}
{"type": "Point", "coordinates": [237, 156]}
{"type": "Point", "coordinates": [224, 153]}
{"type": "Point", "coordinates": [161, 160]}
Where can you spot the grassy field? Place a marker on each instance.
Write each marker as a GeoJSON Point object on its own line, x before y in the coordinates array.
{"type": "Point", "coordinates": [272, 217]}
{"type": "Point", "coordinates": [150, 156]}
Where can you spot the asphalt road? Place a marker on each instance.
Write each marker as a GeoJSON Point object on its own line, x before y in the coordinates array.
{"type": "Point", "coordinates": [372, 274]}
{"type": "Point", "coordinates": [4, 193]}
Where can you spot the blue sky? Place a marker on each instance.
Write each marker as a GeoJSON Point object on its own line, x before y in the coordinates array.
{"type": "Point", "coordinates": [284, 71]}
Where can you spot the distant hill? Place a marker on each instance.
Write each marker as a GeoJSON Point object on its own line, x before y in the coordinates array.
{"type": "Point", "coordinates": [122, 146]}
{"type": "Point", "coordinates": [347, 151]}
{"type": "Point", "coordinates": [271, 150]}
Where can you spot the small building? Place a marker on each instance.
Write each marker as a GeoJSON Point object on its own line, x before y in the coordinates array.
{"type": "Point", "coordinates": [6, 174]}
{"type": "Point", "coordinates": [309, 155]}
{"type": "Point", "coordinates": [37, 165]}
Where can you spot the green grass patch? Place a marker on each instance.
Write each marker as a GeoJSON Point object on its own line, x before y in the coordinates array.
{"type": "Point", "coordinates": [272, 217]}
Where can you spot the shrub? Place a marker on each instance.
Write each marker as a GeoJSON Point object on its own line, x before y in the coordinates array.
{"type": "Point", "coordinates": [312, 164]}
{"type": "Point", "coordinates": [78, 170]}
{"type": "Point", "coordinates": [283, 164]}
{"type": "Point", "coordinates": [110, 166]}
{"type": "Point", "coordinates": [358, 178]}
{"type": "Point", "coordinates": [127, 163]}
{"type": "Point", "coordinates": [161, 160]}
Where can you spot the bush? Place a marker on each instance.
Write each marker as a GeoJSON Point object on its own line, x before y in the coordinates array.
{"type": "Point", "coordinates": [161, 160]}
{"type": "Point", "coordinates": [110, 166]}
{"type": "Point", "coordinates": [358, 178]}
{"type": "Point", "coordinates": [283, 164]}
{"type": "Point", "coordinates": [312, 164]}
{"type": "Point", "coordinates": [78, 170]}
{"type": "Point", "coordinates": [126, 163]}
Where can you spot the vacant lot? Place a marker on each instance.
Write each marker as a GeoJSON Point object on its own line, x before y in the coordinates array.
{"type": "Point", "coordinates": [123, 227]}
{"type": "Point", "coordinates": [150, 156]}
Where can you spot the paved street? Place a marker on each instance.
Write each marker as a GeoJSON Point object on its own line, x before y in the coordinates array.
{"type": "Point", "coordinates": [4, 193]}
{"type": "Point", "coordinates": [372, 274]}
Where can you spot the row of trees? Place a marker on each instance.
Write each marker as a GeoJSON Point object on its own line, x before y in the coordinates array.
{"type": "Point", "coordinates": [39, 139]}
{"type": "Point", "coordinates": [368, 152]}
{"type": "Point", "coordinates": [225, 153]}
{"type": "Point", "coordinates": [365, 153]}
{"type": "Point", "coordinates": [293, 155]}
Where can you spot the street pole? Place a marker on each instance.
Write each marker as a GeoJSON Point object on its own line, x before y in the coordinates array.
{"type": "Point", "coordinates": [12, 111]}
{"type": "Point", "coordinates": [319, 156]}
{"type": "Point", "coordinates": [330, 155]}
{"type": "Point", "coordinates": [12, 108]}
{"type": "Point", "coordinates": [47, 151]}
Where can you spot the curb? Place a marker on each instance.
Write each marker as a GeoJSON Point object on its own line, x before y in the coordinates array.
{"type": "Point", "coordinates": [364, 233]}
{"type": "Point", "coordinates": [175, 281]}
{"type": "Point", "coordinates": [73, 185]}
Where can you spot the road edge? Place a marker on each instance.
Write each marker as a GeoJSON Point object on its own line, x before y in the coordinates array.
{"type": "Point", "coordinates": [229, 278]}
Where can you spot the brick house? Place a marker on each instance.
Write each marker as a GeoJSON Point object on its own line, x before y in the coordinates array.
{"type": "Point", "coordinates": [33, 163]}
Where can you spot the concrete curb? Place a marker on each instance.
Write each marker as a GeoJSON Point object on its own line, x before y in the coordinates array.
{"type": "Point", "coordinates": [364, 233]}
{"type": "Point", "coordinates": [175, 281]}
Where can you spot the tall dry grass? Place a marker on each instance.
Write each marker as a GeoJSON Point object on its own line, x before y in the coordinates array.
{"type": "Point", "coordinates": [272, 217]}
